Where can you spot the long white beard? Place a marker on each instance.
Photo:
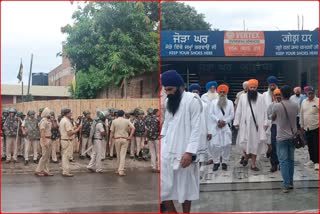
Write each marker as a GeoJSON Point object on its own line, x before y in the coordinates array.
{"type": "Point", "coordinates": [212, 95]}
{"type": "Point", "coordinates": [222, 102]}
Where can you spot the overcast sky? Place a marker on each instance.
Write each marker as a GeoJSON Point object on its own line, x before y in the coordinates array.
{"type": "Point", "coordinates": [259, 15]}
{"type": "Point", "coordinates": [34, 27]}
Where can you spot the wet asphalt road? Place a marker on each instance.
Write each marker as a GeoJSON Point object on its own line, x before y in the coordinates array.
{"type": "Point", "coordinates": [86, 192]}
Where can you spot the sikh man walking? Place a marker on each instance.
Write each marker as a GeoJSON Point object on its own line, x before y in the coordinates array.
{"type": "Point", "coordinates": [252, 122]}
{"type": "Point", "coordinates": [221, 114]}
{"type": "Point", "coordinates": [205, 135]}
{"type": "Point", "coordinates": [268, 98]}
{"type": "Point", "coordinates": [211, 94]}
{"type": "Point", "coordinates": [67, 132]}
{"type": "Point", "coordinates": [180, 141]}
{"type": "Point", "coordinates": [309, 122]}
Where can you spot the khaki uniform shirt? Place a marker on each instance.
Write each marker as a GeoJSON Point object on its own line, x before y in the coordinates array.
{"type": "Point", "coordinates": [121, 127]}
{"type": "Point", "coordinates": [46, 125]}
{"type": "Point", "coordinates": [65, 126]}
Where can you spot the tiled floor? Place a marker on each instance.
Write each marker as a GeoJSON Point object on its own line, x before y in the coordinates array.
{"type": "Point", "coordinates": [237, 173]}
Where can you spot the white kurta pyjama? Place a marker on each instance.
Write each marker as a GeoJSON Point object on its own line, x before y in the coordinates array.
{"type": "Point", "coordinates": [268, 100]}
{"type": "Point", "coordinates": [220, 144]}
{"type": "Point", "coordinates": [203, 144]}
{"type": "Point", "coordinates": [249, 140]}
{"type": "Point", "coordinates": [180, 134]}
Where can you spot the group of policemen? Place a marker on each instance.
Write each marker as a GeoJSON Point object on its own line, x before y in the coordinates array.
{"type": "Point", "coordinates": [21, 136]}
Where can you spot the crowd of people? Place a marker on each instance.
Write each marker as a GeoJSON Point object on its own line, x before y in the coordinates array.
{"type": "Point", "coordinates": [48, 138]}
{"type": "Point", "coordinates": [197, 131]}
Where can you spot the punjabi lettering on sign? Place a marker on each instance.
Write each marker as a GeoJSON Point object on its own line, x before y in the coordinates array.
{"type": "Point", "coordinates": [183, 45]}
{"type": "Point", "coordinates": [294, 49]}
{"type": "Point", "coordinates": [294, 38]}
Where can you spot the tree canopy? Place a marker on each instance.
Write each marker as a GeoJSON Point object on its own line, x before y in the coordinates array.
{"type": "Point", "coordinates": [179, 16]}
{"type": "Point", "coordinates": [110, 41]}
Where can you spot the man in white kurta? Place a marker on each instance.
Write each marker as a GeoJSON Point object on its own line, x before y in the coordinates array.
{"type": "Point", "coordinates": [211, 92]}
{"type": "Point", "coordinates": [252, 137]}
{"type": "Point", "coordinates": [179, 144]}
{"type": "Point", "coordinates": [220, 116]}
{"type": "Point", "coordinates": [267, 97]}
{"type": "Point", "coordinates": [205, 136]}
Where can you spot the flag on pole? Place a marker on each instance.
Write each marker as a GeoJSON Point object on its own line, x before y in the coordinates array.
{"type": "Point", "coordinates": [20, 74]}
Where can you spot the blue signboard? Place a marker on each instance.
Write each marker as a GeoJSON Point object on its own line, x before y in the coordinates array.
{"type": "Point", "coordinates": [239, 43]}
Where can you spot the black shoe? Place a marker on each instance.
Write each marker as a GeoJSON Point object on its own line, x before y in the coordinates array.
{"type": "Point", "coordinates": [35, 161]}
{"type": "Point", "coordinates": [224, 166]}
{"type": "Point", "coordinates": [26, 162]}
{"type": "Point", "coordinates": [131, 157]}
{"type": "Point", "coordinates": [268, 154]}
{"type": "Point", "coordinates": [273, 168]}
{"type": "Point", "coordinates": [4, 158]}
{"type": "Point", "coordinates": [110, 158]}
{"type": "Point", "coordinates": [245, 162]}
{"type": "Point", "coordinates": [82, 157]}
{"type": "Point", "coordinates": [55, 161]}
{"type": "Point", "coordinates": [255, 169]}
{"type": "Point", "coordinates": [216, 166]}
{"type": "Point", "coordinates": [242, 159]}
{"type": "Point", "coordinates": [102, 159]}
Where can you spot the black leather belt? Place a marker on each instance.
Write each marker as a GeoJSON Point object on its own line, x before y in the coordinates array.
{"type": "Point", "coordinates": [97, 139]}
{"type": "Point", "coordinates": [66, 139]}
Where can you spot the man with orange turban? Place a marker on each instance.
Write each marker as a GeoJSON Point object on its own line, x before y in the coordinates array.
{"type": "Point", "coordinates": [252, 121]}
{"type": "Point", "coordinates": [221, 113]}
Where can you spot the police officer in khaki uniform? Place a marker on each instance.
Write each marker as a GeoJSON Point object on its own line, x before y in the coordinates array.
{"type": "Point", "coordinates": [45, 143]}
{"type": "Point", "coordinates": [98, 133]}
{"type": "Point", "coordinates": [85, 132]}
{"type": "Point", "coordinates": [120, 128]}
{"type": "Point", "coordinates": [55, 136]}
{"type": "Point", "coordinates": [67, 132]}
{"type": "Point", "coordinates": [11, 126]}
{"type": "Point", "coordinates": [30, 129]}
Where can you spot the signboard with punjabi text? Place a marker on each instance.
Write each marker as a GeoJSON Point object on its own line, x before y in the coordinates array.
{"type": "Point", "coordinates": [239, 43]}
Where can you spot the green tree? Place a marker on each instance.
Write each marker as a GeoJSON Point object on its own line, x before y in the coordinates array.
{"type": "Point", "coordinates": [109, 42]}
{"type": "Point", "coordinates": [179, 16]}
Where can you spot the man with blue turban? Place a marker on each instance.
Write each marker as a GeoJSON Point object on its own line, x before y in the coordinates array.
{"type": "Point", "coordinates": [272, 130]}
{"type": "Point", "coordinates": [180, 137]}
{"type": "Point", "coordinates": [211, 94]}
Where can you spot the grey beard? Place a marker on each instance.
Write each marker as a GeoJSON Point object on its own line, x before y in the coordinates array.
{"type": "Point", "coordinates": [222, 102]}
